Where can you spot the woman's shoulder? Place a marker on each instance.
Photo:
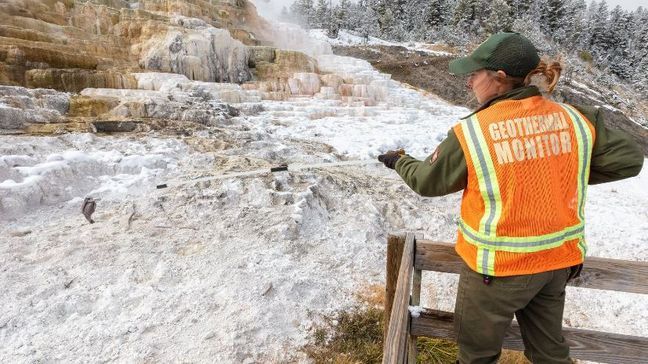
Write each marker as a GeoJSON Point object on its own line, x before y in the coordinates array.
{"type": "Point", "coordinates": [591, 113]}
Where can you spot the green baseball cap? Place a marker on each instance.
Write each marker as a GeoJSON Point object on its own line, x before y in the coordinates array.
{"type": "Point", "coordinates": [509, 52]}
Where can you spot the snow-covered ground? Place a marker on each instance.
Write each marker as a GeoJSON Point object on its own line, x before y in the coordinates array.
{"type": "Point", "coordinates": [349, 38]}
{"type": "Point", "coordinates": [237, 270]}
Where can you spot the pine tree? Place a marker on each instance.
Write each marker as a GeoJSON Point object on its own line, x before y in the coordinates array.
{"type": "Point", "coordinates": [393, 28]}
{"type": "Point", "coordinates": [532, 31]}
{"type": "Point", "coordinates": [588, 23]}
{"type": "Point", "coordinates": [356, 13]}
{"type": "Point", "coordinates": [600, 41]}
{"type": "Point", "coordinates": [379, 7]}
{"type": "Point", "coordinates": [322, 15]}
{"type": "Point", "coordinates": [640, 50]}
{"type": "Point", "coordinates": [303, 12]}
{"type": "Point", "coordinates": [575, 23]}
{"type": "Point", "coordinates": [367, 21]}
{"type": "Point", "coordinates": [398, 10]}
{"type": "Point", "coordinates": [344, 14]}
{"type": "Point", "coordinates": [619, 34]}
{"type": "Point", "coordinates": [638, 35]}
{"type": "Point", "coordinates": [519, 8]}
{"type": "Point", "coordinates": [436, 13]}
{"type": "Point", "coordinates": [466, 16]}
{"type": "Point", "coordinates": [512, 4]}
{"type": "Point", "coordinates": [538, 13]}
{"type": "Point", "coordinates": [499, 18]}
{"type": "Point", "coordinates": [414, 13]}
{"type": "Point", "coordinates": [386, 11]}
{"type": "Point", "coordinates": [554, 24]}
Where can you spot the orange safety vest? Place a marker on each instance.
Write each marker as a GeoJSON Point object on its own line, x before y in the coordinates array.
{"type": "Point", "coordinates": [522, 210]}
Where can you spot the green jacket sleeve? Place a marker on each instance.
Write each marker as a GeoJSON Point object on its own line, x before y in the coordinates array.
{"type": "Point", "coordinates": [615, 155]}
{"type": "Point", "coordinates": [436, 177]}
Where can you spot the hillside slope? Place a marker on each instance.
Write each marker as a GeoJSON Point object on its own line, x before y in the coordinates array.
{"type": "Point", "coordinates": [430, 73]}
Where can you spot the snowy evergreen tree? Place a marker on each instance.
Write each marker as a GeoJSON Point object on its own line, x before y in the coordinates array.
{"type": "Point", "coordinates": [538, 13]}
{"type": "Point", "coordinates": [387, 12]}
{"type": "Point", "coordinates": [343, 14]}
{"type": "Point", "coordinates": [638, 35]}
{"type": "Point", "coordinates": [600, 41]}
{"type": "Point", "coordinates": [530, 29]}
{"type": "Point", "coordinates": [437, 13]}
{"type": "Point", "coordinates": [367, 20]}
{"type": "Point", "coordinates": [554, 20]}
{"type": "Point", "coordinates": [434, 16]}
{"type": "Point", "coordinates": [575, 24]}
{"type": "Point", "coordinates": [304, 12]}
{"type": "Point", "coordinates": [356, 14]}
{"type": "Point", "coordinates": [393, 29]}
{"type": "Point", "coordinates": [380, 8]}
{"type": "Point", "coordinates": [467, 16]}
{"type": "Point", "coordinates": [588, 23]}
{"type": "Point", "coordinates": [499, 18]}
{"type": "Point", "coordinates": [639, 49]}
{"type": "Point", "coordinates": [398, 10]}
{"type": "Point", "coordinates": [619, 30]}
{"type": "Point", "coordinates": [519, 8]}
{"type": "Point", "coordinates": [322, 15]}
{"type": "Point", "coordinates": [414, 13]}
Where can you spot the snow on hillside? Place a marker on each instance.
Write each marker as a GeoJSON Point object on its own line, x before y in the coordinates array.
{"type": "Point", "coordinates": [237, 270]}
{"type": "Point", "coordinates": [349, 38]}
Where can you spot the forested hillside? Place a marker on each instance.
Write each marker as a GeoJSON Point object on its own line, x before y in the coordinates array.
{"type": "Point", "coordinates": [613, 40]}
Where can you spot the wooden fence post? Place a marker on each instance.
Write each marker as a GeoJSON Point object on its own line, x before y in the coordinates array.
{"type": "Point", "coordinates": [395, 350]}
{"type": "Point", "coordinates": [395, 245]}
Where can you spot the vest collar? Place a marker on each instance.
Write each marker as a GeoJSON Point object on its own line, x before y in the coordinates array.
{"type": "Point", "coordinates": [515, 94]}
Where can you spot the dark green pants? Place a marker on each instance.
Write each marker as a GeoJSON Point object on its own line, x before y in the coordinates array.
{"type": "Point", "coordinates": [484, 312]}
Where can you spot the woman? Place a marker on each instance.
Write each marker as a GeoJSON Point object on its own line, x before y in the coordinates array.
{"type": "Point", "coordinates": [524, 163]}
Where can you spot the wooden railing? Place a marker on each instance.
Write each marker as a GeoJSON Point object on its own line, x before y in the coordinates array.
{"type": "Point", "coordinates": [407, 257]}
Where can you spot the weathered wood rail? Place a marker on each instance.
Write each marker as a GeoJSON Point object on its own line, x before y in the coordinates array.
{"type": "Point", "coordinates": [409, 256]}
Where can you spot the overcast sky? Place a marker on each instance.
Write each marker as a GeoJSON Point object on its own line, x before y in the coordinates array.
{"type": "Point", "coordinates": [630, 5]}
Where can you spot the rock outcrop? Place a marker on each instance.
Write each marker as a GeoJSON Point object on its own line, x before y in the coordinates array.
{"type": "Point", "coordinates": [70, 45]}
{"type": "Point", "coordinates": [164, 105]}
{"type": "Point", "coordinates": [20, 107]}
{"type": "Point", "coordinates": [202, 53]}
{"type": "Point", "coordinates": [119, 64]}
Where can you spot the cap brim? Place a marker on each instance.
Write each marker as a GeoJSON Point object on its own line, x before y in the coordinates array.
{"type": "Point", "coordinates": [464, 65]}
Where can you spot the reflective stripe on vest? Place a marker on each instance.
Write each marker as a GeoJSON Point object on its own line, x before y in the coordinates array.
{"type": "Point", "coordinates": [523, 244]}
{"type": "Point", "coordinates": [584, 140]}
{"type": "Point", "coordinates": [489, 188]}
{"type": "Point", "coordinates": [486, 239]}
{"type": "Point", "coordinates": [486, 176]}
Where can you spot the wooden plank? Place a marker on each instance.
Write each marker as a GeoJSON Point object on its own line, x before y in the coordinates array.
{"type": "Point", "coordinates": [395, 349]}
{"type": "Point", "coordinates": [434, 323]}
{"type": "Point", "coordinates": [598, 273]}
{"type": "Point", "coordinates": [614, 275]}
{"type": "Point", "coordinates": [415, 301]}
{"type": "Point", "coordinates": [437, 256]}
{"type": "Point", "coordinates": [395, 244]}
{"type": "Point", "coordinates": [584, 344]}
